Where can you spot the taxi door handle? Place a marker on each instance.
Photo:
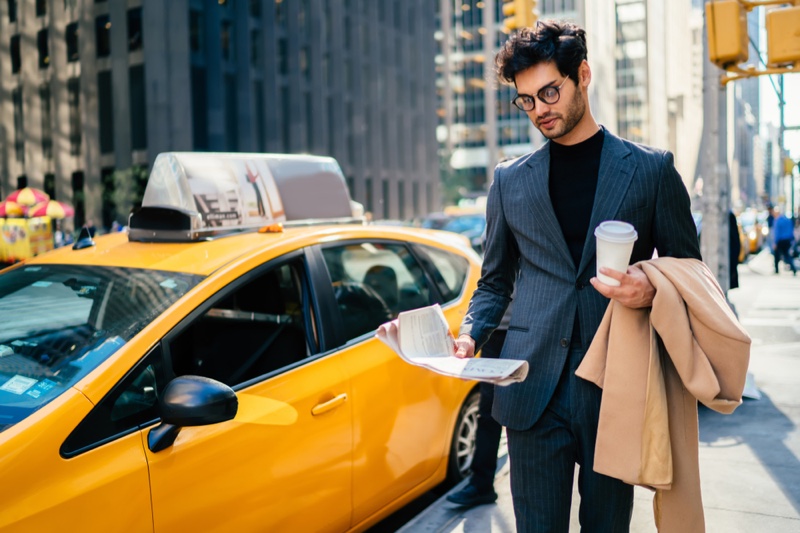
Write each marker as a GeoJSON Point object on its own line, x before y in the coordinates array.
{"type": "Point", "coordinates": [331, 404]}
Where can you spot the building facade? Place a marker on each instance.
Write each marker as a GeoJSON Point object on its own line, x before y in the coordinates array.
{"type": "Point", "coordinates": [89, 88]}
{"type": "Point", "coordinates": [660, 77]}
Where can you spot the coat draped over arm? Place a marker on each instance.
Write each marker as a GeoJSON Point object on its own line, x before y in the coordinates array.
{"type": "Point", "coordinates": [654, 365]}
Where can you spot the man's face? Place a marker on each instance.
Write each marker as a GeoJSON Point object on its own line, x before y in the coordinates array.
{"type": "Point", "coordinates": [556, 120]}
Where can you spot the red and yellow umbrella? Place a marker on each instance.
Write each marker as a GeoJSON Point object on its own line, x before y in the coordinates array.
{"type": "Point", "coordinates": [52, 209]}
{"type": "Point", "coordinates": [28, 196]}
{"type": "Point", "coordinates": [11, 209]}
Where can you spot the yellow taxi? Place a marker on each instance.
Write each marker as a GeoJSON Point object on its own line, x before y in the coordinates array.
{"type": "Point", "coordinates": [215, 367]}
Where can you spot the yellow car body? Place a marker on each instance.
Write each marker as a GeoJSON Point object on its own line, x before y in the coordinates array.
{"type": "Point", "coordinates": [333, 442]}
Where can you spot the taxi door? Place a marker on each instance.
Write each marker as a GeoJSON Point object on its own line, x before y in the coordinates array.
{"type": "Point", "coordinates": [283, 464]}
{"type": "Point", "coordinates": [403, 414]}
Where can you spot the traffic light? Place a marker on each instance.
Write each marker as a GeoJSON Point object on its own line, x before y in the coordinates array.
{"type": "Point", "coordinates": [519, 14]}
{"type": "Point", "coordinates": [783, 36]}
{"type": "Point", "coordinates": [788, 166]}
{"type": "Point", "coordinates": [726, 22]}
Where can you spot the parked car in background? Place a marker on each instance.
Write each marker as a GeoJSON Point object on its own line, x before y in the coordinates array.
{"type": "Point", "coordinates": [215, 367]}
{"type": "Point", "coordinates": [468, 220]}
{"type": "Point", "coordinates": [755, 230]}
{"type": "Point", "coordinates": [471, 226]}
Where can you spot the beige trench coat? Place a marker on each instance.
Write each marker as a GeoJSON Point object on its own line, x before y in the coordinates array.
{"type": "Point", "coordinates": [653, 365]}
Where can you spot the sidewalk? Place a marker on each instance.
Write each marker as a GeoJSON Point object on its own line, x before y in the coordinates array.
{"type": "Point", "coordinates": [749, 461]}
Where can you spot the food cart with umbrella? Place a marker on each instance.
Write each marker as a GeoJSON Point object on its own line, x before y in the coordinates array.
{"type": "Point", "coordinates": [51, 208]}
{"type": "Point", "coordinates": [25, 223]}
{"type": "Point", "coordinates": [9, 209]}
{"type": "Point", "coordinates": [28, 196]}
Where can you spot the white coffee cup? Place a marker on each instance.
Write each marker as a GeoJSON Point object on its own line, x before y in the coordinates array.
{"type": "Point", "coordinates": [614, 246]}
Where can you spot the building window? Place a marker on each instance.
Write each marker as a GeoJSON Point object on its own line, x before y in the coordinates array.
{"type": "Point", "coordinates": [15, 58]}
{"type": "Point", "coordinates": [138, 108]}
{"type": "Point", "coordinates": [261, 132]}
{"type": "Point", "coordinates": [199, 109]}
{"type": "Point", "coordinates": [78, 198]}
{"type": "Point", "coordinates": [385, 198]}
{"type": "Point", "coordinates": [283, 57]}
{"type": "Point", "coordinates": [50, 185]}
{"type": "Point", "coordinates": [41, 8]}
{"type": "Point", "coordinates": [102, 32]}
{"type": "Point", "coordinates": [368, 190]}
{"type": "Point", "coordinates": [135, 29]}
{"type": "Point", "coordinates": [255, 47]}
{"type": "Point", "coordinates": [47, 121]}
{"type": "Point", "coordinates": [22, 181]}
{"type": "Point", "coordinates": [195, 30]}
{"type": "Point", "coordinates": [19, 125]}
{"type": "Point", "coordinates": [231, 113]}
{"type": "Point", "coordinates": [12, 10]}
{"type": "Point", "coordinates": [44, 48]}
{"type": "Point", "coordinates": [226, 43]}
{"type": "Point", "coordinates": [105, 111]}
{"type": "Point", "coordinates": [74, 101]}
{"type": "Point", "coordinates": [280, 12]}
{"type": "Point", "coordinates": [286, 118]}
{"type": "Point", "coordinates": [401, 199]}
{"type": "Point", "coordinates": [109, 187]}
{"type": "Point", "coordinates": [72, 42]}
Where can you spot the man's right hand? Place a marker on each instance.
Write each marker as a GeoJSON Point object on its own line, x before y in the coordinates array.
{"type": "Point", "coordinates": [464, 347]}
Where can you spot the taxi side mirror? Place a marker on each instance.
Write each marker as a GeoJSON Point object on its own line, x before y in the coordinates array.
{"type": "Point", "coordinates": [191, 401]}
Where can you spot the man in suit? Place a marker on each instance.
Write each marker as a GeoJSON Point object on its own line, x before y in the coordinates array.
{"type": "Point", "coordinates": [541, 213]}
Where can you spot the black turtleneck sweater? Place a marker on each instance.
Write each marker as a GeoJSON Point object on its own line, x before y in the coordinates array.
{"type": "Point", "coordinates": [573, 182]}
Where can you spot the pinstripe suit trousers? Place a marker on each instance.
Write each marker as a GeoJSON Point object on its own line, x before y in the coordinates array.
{"type": "Point", "coordinates": [543, 460]}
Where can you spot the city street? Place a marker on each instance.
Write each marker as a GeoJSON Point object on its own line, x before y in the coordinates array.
{"type": "Point", "coordinates": [749, 461]}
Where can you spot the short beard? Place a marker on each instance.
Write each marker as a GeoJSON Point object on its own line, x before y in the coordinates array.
{"type": "Point", "coordinates": [574, 114]}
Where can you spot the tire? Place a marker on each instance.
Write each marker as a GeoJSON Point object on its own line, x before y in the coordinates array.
{"type": "Point", "coordinates": [462, 445]}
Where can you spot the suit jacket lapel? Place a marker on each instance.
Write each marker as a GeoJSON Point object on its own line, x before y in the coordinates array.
{"type": "Point", "coordinates": [537, 188]}
{"type": "Point", "coordinates": [613, 179]}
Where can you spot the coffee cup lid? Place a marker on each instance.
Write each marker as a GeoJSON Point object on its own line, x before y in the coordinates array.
{"type": "Point", "coordinates": [616, 231]}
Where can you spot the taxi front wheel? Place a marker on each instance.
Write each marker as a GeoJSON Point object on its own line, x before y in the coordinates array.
{"type": "Point", "coordinates": [462, 447]}
{"type": "Point", "coordinates": [191, 401]}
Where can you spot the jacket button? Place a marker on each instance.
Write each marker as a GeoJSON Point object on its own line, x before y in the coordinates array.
{"type": "Point", "coordinates": [579, 285]}
{"type": "Point", "coordinates": [564, 343]}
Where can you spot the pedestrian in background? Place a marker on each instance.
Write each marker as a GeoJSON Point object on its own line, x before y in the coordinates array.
{"type": "Point", "coordinates": [734, 249]}
{"type": "Point", "coordinates": [541, 213]}
{"type": "Point", "coordinates": [782, 242]}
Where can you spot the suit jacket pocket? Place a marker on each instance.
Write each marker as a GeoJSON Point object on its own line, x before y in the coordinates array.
{"type": "Point", "coordinates": [517, 328]}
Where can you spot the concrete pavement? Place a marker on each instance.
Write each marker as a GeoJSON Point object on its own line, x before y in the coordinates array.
{"type": "Point", "coordinates": [749, 461]}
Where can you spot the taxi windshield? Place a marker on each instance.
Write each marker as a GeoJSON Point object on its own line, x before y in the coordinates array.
{"type": "Point", "coordinates": [59, 322]}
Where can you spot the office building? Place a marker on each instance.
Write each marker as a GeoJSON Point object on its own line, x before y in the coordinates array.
{"type": "Point", "coordinates": [91, 88]}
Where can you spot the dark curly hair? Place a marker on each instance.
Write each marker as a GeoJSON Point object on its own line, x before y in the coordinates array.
{"type": "Point", "coordinates": [563, 43]}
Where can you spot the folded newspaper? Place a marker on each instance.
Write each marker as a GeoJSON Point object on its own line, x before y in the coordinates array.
{"type": "Point", "coordinates": [421, 338]}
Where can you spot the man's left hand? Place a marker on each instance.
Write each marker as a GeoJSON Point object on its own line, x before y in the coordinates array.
{"type": "Point", "coordinates": [634, 290]}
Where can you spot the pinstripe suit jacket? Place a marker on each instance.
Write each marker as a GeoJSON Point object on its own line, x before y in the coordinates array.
{"type": "Point", "coordinates": [636, 184]}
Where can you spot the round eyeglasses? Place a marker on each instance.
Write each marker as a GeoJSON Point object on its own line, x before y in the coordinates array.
{"type": "Point", "coordinates": [548, 95]}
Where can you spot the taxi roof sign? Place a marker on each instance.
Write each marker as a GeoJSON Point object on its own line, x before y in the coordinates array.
{"type": "Point", "coordinates": [196, 195]}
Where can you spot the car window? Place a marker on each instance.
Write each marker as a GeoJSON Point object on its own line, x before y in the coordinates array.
{"type": "Point", "coordinates": [130, 405]}
{"type": "Point", "coordinates": [59, 322]}
{"type": "Point", "coordinates": [249, 330]}
{"type": "Point", "coordinates": [373, 282]}
{"type": "Point", "coordinates": [448, 270]}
